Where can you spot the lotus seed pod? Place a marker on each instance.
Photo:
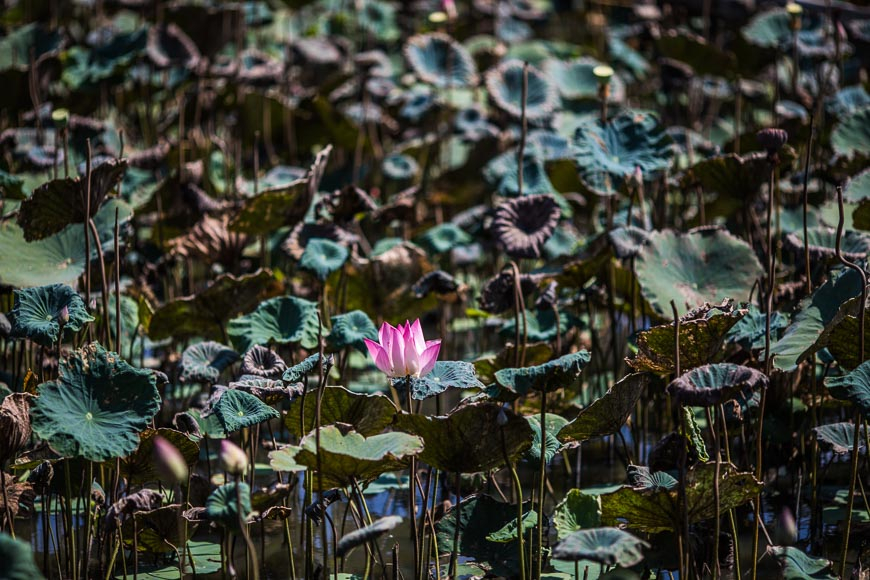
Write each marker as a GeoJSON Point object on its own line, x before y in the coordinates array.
{"type": "Point", "coordinates": [772, 140]}
{"type": "Point", "coordinates": [603, 73]}
{"type": "Point", "coordinates": [60, 117]}
{"type": "Point", "coordinates": [170, 462]}
{"type": "Point", "coordinates": [794, 11]}
{"type": "Point", "coordinates": [233, 458]}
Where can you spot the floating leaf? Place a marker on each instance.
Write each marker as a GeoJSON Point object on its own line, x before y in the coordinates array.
{"type": "Point", "coordinates": [555, 374]}
{"type": "Point", "coordinates": [714, 384]}
{"type": "Point", "coordinates": [97, 407]}
{"type": "Point", "coordinates": [607, 414]}
{"type": "Point", "coordinates": [470, 439]}
{"type": "Point", "coordinates": [577, 511]}
{"type": "Point", "coordinates": [284, 319]}
{"type": "Point", "coordinates": [839, 438]}
{"type": "Point", "coordinates": [796, 565]}
{"type": "Point", "coordinates": [444, 375]}
{"type": "Point", "coordinates": [366, 534]}
{"type": "Point", "coordinates": [367, 414]}
{"type": "Point", "coordinates": [350, 330]}
{"type": "Point", "coordinates": [702, 265]}
{"type": "Point", "coordinates": [322, 257]}
{"type": "Point", "coordinates": [38, 314]}
{"type": "Point", "coordinates": [607, 546]}
{"type": "Point", "coordinates": [236, 409]}
{"type": "Point", "coordinates": [203, 362]}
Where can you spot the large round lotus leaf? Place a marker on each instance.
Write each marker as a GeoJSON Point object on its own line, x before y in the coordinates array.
{"type": "Point", "coordinates": [608, 546]}
{"type": "Point", "coordinates": [350, 330]}
{"type": "Point", "coordinates": [57, 259]}
{"type": "Point", "coordinates": [222, 506]}
{"type": "Point", "coordinates": [367, 414]}
{"type": "Point", "coordinates": [607, 414]}
{"type": "Point", "coordinates": [444, 237]}
{"type": "Point", "coordinates": [97, 407]}
{"type": "Point", "coordinates": [470, 439]}
{"type": "Point", "coordinates": [714, 384]}
{"type": "Point", "coordinates": [608, 153]}
{"type": "Point", "coordinates": [577, 511]}
{"type": "Point", "coordinates": [505, 85]}
{"type": "Point", "coordinates": [853, 387]}
{"type": "Point", "coordinates": [702, 332]}
{"type": "Point", "coordinates": [540, 325]}
{"type": "Point", "coordinates": [704, 265]}
{"type": "Point", "coordinates": [284, 319]}
{"type": "Point", "coordinates": [552, 445]}
{"type": "Point", "coordinates": [60, 202]}
{"type": "Point", "coordinates": [37, 313]}
{"type": "Point", "coordinates": [659, 511]}
{"type": "Point", "coordinates": [444, 375]}
{"type": "Point", "coordinates": [237, 409]}
{"type": "Point", "coordinates": [555, 374]}
{"type": "Point", "coordinates": [750, 331]}
{"type": "Point", "coordinates": [797, 565]}
{"type": "Point", "coordinates": [322, 257]}
{"type": "Point", "coordinates": [839, 438]}
{"type": "Point", "coordinates": [439, 60]}
{"type": "Point", "coordinates": [479, 518]}
{"type": "Point", "coordinates": [816, 318]}
{"type": "Point", "coordinates": [203, 362]}
{"type": "Point", "coordinates": [205, 314]}
{"type": "Point", "coordinates": [822, 243]}
{"type": "Point", "coordinates": [575, 79]}
{"type": "Point", "coordinates": [366, 534]}
{"type": "Point", "coordinates": [141, 467]}
{"type": "Point", "coordinates": [852, 135]}
{"type": "Point", "coordinates": [16, 560]}
{"type": "Point", "coordinates": [348, 457]}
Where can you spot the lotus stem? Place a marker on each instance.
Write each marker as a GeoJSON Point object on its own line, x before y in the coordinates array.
{"type": "Point", "coordinates": [118, 283]}
{"type": "Point", "coordinates": [521, 151]}
{"type": "Point", "coordinates": [519, 498]}
{"type": "Point", "coordinates": [88, 523]}
{"type": "Point", "coordinates": [87, 204]}
{"type": "Point", "coordinates": [853, 474]}
{"type": "Point", "coordinates": [71, 532]}
{"type": "Point", "coordinates": [805, 200]}
{"type": "Point", "coordinates": [454, 552]}
{"type": "Point", "coordinates": [683, 537]}
{"type": "Point", "coordinates": [321, 385]}
{"type": "Point", "coordinates": [243, 530]}
{"type": "Point", "coordinates": [717, 521]}
{"type": "Point", "coordinates": [103, 282]}
{"type": "Point", "coordinates": [541, 486]}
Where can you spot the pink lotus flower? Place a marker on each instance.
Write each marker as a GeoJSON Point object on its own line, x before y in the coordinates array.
{"type": "Point", "coordinates": [403, 351]}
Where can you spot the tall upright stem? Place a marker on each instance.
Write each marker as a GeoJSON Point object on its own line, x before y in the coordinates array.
{"type": "Point", "coordinates": [523, 128]}
{"type": "Point", "coordinates": [541, 485]}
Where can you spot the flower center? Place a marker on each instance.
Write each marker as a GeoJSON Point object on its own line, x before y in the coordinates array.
{"type": "Point", "coordinates": [89, 416]}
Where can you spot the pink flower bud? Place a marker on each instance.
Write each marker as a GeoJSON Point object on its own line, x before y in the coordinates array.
{"type": "Point", "coordinates": [64, 315]}
{"type": "Point", "coordinates": [170, 462]}
{"type": "Point", "coordinates": [234, 460]}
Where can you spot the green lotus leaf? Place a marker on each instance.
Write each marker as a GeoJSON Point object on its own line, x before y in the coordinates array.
{"type": "Point", "coordinates": [505, 85]}
{"type": "Point", "coordinates": [348, 457]}
{"type": "Point", "coordinates": [237, 409]}
{"type": "Point", "coordinates": [299, 371]}
{"type": "Point", "coordinates": [140, 467]}
{"type": "Point", "coordinates": [400, 167]}
{"type": "Point", "coordinates": [627, 241]}
{"type": "Point", "coordinates": [27, 42]}
{"type": "Point", "coordinates": [847, 100]}
{"type": "Point", "coordinates": [203, 362]}
{"type": "Point", "coordinates": [284, 459]}
{"type": "Point", "coordinates": [822, 243]}
{"type": "Point", "coordinates": [541, 325]}
{"type": "Point", "coordinates": [693, 268]}
{"type": "Point", "coordinates": [853, 387]}
{"type": "Point", "coordinates": [480, 517]}
{"type": "Point", "coordinates": [658, 511]}
{"type": "Point", "coordinates": [607, 546]}
{"type": "Point", "coordinates": [552, 444]}
{"type": "Point", "coordinates": [11, 186]}
{"type": "Point", "coordinates": [732, 176]}
{"type": "Point", "coordinates": [350, 329]}
{"type": "Point", "coordinates": [577, 511]}
{"type": "Point", "coordinates": [279, 203]}
{"type": "Point", "coordinates": [444, 375]}
{"type": "Point", "coordinates": [643, 478]}
{"type": "Point", "coordinates": [37, 313]}
{"type": "Point", "coordinates": [366, 534]}
{"type": "Point", "coordinates": [839, 438]}
{"type": "Point", "coordinates": [469, 439]}
{"type": "Point", "coordinates": [441, 61]}
{"type": "Point", "coordinates": [607, 414]}
{"type": "Point", "coordinates": [704, 57]}
{"type": "Point", "coordinates": [444, 237]}
{"type": "Point", "coordinates": [16, 560]}
{"type": "Point", "coordinates": [817, 316]}
{"type": "Point", "coordinates": [843, 345]}
{"type": "Point", "coordinates": [555, 374]}
{"type": "Point", "coordinates": [322, 257]}
{"type": "Point", "coordinates": [502, 172]}
{"type": "Point", "coordinates": [575, 79]}
{"type": "Point", "coordinates": [750, 331]}
{"type": "Point", "coordinates": [608, 153]}
{"type": "Point", "coordinates": [61, 202]}
{"type": "Point", "coordinates": [131, 324]}
{"type": "Point", "coordinates": [796, 565]}
{"type": "Point", "coordinates": [509, 532]}
{"type": "Point", "coordinates": [773, 30]}
{"type": "Point", "coordinates": [702, 333]}
{"type": "Point", "coordinates": [858, 191]}
{"type": "Point", "coordinates": [714, 384]}
{"type": "Point", "coordinates": [209, 425]}
{"type": "Point", "coordinates": [367, 414]}
{"type": "Point", "coordinates": [284, 319]}
{"type": "Point", "coordinates": [85, 68]}
{"type": "Point", "coordinates": [205, 314]}
{"type": "Point", "coordinates": [57, 259]}
{"type": "Point", "coordinates": [624, 54]}
{"type": "Point", "coordinates": [222, 506]}
{"type": "Point", "coordinates": [97, 407]}
{"type": "Point", "coordinates": [851, 136]}
{"type": "Point", "coordinates": [206, 558]}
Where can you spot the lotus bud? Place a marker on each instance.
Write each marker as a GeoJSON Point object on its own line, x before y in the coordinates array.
{"type": "Point", "coordinates": [170, 462]}
{"type": "Point", "coordinates": [502, 418]}
{"type": "Point", "coordinates": [786, 529]}
{"type": "Point", "coordinates": [450, 9]}
{"type": "Point", "coordinates": [233, 458]}
{"type": "Point", "coordinates": [794, 11]}
{"type": "Point", "coordinates": [60, 117]}
{"type": "Point", "coordinates": [63, 315]}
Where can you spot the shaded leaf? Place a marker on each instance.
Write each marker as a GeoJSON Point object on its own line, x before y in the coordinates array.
{"type": "Point", "coordinates": [607, 414]}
